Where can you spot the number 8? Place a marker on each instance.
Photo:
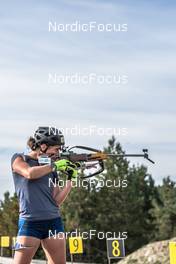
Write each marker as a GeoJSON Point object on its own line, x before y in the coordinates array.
{"type": "Point", "coordinates": [116, 250]}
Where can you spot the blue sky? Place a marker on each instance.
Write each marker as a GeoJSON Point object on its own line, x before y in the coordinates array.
{"type": "Point", "coordinates": [146, 53]}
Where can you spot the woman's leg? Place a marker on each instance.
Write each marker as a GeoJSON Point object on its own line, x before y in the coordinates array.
{"type": "Point", "coordinates": [55, 249]}
{"type": "Point", "coordinates": [25, 255]}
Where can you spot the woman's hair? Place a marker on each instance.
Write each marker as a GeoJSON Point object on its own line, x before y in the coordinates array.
{"type": "Point", "coordinates": [32, 143]}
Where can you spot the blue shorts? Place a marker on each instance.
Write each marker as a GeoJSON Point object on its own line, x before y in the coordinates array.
{"type": "Point", "coordinates": [41, 228]}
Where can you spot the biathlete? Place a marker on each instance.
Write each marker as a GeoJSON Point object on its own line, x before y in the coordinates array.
{"type": "Point", "coordinates": [39, 201]}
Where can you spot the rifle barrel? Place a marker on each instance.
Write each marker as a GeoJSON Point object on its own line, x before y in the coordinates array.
{"type": "Point", "coordinates": [126, 155]}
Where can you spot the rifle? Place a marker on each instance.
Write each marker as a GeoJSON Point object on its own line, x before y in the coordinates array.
{"type": "Point", "coordinates": [94, 158]}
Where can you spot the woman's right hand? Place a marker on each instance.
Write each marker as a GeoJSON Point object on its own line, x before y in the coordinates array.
{"type": "Point", "coordinates": [67, 166]}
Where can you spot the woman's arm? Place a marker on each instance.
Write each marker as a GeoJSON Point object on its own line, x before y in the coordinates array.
{"type": "Point", "coordinates": [22, 168]}
{"type": "Point", "coordinates": [60, 195]}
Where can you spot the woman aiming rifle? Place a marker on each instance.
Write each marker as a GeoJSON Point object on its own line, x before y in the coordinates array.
{"type": "Point", "coordinates": [39, 202]}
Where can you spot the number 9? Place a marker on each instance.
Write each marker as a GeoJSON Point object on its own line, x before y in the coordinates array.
{"type": "Point", "coordinates": [76, 244]}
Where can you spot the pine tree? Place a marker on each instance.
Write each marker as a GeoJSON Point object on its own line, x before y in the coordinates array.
{"type": "Point", "coordinates": [9, 215]}
{"type": "Point", "coordinates": [164, 211]}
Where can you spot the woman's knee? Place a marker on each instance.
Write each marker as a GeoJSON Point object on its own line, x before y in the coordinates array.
{"type": "Point", "coordinates": [25, 248]}
{"type": "Point", "coordinates": [24, 256]}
